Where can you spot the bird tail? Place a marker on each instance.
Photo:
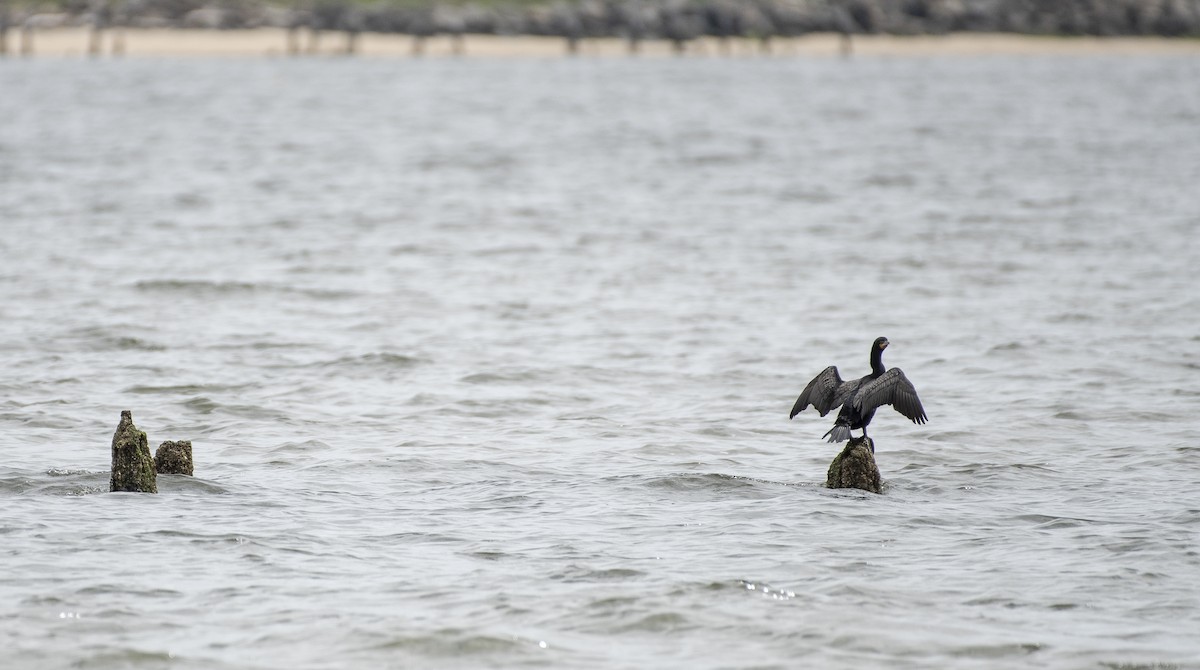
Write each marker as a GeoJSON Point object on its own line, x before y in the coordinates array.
{"type": "Point", "coordinates": [839, 433]}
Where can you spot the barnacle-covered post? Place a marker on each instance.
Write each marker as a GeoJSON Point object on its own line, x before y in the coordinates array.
{"type": "Point", "coordinates": [855, 467]}
{"type": "Point", "coordinates": [174, 458]}
{"type": "Point", "coordinates": [132, 466]}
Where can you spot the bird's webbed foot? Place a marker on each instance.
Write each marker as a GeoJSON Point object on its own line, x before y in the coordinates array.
{"type": "Point", "coordinates": [868, 441]}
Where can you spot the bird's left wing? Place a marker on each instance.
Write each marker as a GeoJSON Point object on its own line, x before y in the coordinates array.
{"type": "Point", "coordinates": [821, 393]}
{"type": "Point", "coordinates": [891, 388]}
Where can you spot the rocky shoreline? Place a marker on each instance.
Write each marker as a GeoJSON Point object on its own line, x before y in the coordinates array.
{"type": "Point", "coordinates": [678, 22]}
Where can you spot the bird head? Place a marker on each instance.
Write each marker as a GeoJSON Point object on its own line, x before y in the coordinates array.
{"type": "Point", "coordinates": [881, 343]}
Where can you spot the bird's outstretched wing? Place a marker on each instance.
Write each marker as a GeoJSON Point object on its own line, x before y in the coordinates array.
{"type": "Point", "coordinates": [822, 393]}
{"type": "Point", "coordinates": [891, 388]}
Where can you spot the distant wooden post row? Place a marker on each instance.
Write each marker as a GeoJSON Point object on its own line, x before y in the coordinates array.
{"type": "Point", "coordinates": [111, 17]}
{"type": "Point", "coordinates": [293, 41]}
{"type": "Point", "coordinates": [104, 17]}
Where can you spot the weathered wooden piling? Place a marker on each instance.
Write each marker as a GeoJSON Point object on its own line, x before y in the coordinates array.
{"type": "Point", "coordinates": [174, 458]}
{"type": "Point", "coordinates": [855, 467]}
{"type": "Point", "coordinates": [132, 467]}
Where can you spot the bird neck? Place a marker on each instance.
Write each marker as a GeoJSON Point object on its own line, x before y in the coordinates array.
{"type": "Point", "coordinates": [877, 361]}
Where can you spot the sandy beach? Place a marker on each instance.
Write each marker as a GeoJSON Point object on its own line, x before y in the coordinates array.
{"type": "Point", "coordinates": [74, 41]}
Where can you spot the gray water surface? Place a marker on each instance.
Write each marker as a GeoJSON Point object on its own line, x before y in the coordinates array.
{"type": "Point", "coordinates": [488, 364]}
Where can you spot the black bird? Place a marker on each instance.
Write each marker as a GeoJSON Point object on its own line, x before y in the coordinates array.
{"type": "Point", "coordinates": [859, 398]}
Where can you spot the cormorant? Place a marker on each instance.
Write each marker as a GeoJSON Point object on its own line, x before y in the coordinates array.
{"type": "Point", "coordinates": [859, 398]}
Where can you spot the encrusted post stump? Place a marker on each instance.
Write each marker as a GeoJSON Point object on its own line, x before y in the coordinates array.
{"type": "Point", "coordinates": [132, 467]}
{"type": "Point", "coordinates": [174, 458]}
{"type": "Point", "coordinates": [855, 467]}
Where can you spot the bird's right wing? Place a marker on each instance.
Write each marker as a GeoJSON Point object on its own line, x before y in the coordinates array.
{"type": "Point", "coordinates": [821, 393]}
{"type": "Point", "coordinates": [891, 388]}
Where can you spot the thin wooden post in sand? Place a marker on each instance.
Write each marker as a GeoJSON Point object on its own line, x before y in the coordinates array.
{"type": "Point", "coordinates": [118, 38]}
{"type": "Point", "coordinates": [96, 34]}
{"type": "Point", "coordinates": [351, 23]}
{"type": "Point", "coordinates": [418, 46]}
{"type": "Point", "coordinates": [3, 28]}
{"type": "Point", "coordinates": [296, 21]}
{"type": "Point", "coordinates": [293, 39]}
{"type": "Point", "coordinates": [27, 38]}
{"type": "Point", "coordinates": [314, 36]}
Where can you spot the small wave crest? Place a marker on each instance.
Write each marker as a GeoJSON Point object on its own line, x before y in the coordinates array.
{"type": "Point", "coordinates": [378, 364]}
{"type": "Point", "coordinates": [709, 484]}
{"type": "Point", "coordinates": [205, 288]}
{"type": "Point", "coordinates": [453, 643]}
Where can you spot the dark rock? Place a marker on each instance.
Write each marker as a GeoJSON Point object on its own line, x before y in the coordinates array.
{"type": "Point", "coordinates": [206, 18]}
{"type": "Point", "coordinates": [865, 16]}
{"type": "Point", "coordinates": [1175, 20]}
{"type": "Point", "coordinates": [855, 467]}
{"type": "Point", "coordinates": [132, 467]}
{"type": "Point", "coordinates": [174, 458]}
{"type": "Point", "coordinates": [680, 25]}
